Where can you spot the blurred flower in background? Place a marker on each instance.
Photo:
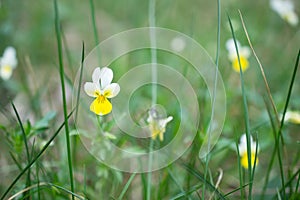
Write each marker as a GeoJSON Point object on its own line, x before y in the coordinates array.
{"type": "Point", "coordinates": [8, 62]}
{"type": "Point", "coordinates": [285, 9]}
{"type": "Point", "coordinates": [244, 53]}
{"type": "Point", "coordinates": [178, 44]}
{"type": "Point", "coordinates": [292, 117]}
{"type": "Point", "coordinates": [157, 125]}
{"type": "Point", "coordinates": [243, 151]}
{"type": "Point", "coordinates": [101, 88]}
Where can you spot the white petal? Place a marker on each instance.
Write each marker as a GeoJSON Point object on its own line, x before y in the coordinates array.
{"type": "Point", "coordinates": [253, 147]}
{"type": "Point", "coordinates": [111, 90]}
{"type": "Point", "coordinates": [243, 144]}
{"type": "Point", "coordinates": [150, 118]}
{"type": "Point", "coordinates": [245, 52]}
{"type": "Point", "coordinates": [10, 52]}
{"type": "Point", "coordinates": [282, 7]}
{"type": "Point", "coordinates": [91, 88]}
{"type": "Point", "coordinates": [96, 75]}
{"type": "Point", "coordinates": [9, 57]}
{"type": "Point", "coordinates": [243, 139]}
{"type": "Point", "coordinates": [106, 77]}
{"type": "Point", "coordinates": [163, 122]}
{"type": "Point", "coordinates": [230, 46]}
{"type": "Point", "coordinates": [292, 18]}
{"type": "Point", "coordinates": [232, 55]}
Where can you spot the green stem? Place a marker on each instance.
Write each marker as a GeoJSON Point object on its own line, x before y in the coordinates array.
{"type": "Point", "coordinates": [282, 122]}
{"type": "Point", "coordinates": [79, 83]}
{"type": "Point", "coordinates": [95, 31]}
{"type": "Point", "coordinates": [240, 174]}
{"type": "Point", "coordinates": [151, 18]}
{"type": "Point", "coordinates": [245, 108]}
{"type": "Point", "coordinates": [28, 182]}
{"type": "Point", "coordinates": [126, 186]}
{"type": "Point", "coordinates": [214, 95]}
{"type": "Point", "coordinates": [61, 72]}
{"type": "Point", "coordinates": [149, 175]}
{"type": "Point", "coordinates": [273, 152]}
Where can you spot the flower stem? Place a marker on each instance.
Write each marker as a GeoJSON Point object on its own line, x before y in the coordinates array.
{"type": "Point", "coordinates": [153, 50]}
{"type": "Point", "coordinates": [154, 86]}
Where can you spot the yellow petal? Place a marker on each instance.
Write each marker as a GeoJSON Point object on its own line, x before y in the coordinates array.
{"type": "Point", "coordinates": [101, 106]}
{"type": "Point", "coordinates": [161, 134]}
{"type": "Point", "coordinates": [156, 131]}
{"type": "Point", "coordinates": [244, 64]}
{"type": "Point", "coordinates": [244, 160]}
{"type": "Point", "coordinates": [6, 72]}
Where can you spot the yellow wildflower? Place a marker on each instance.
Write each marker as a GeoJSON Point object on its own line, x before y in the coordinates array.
{"type": "Point", "coordinates": [285, 9]}
{"type": "Point", "coordinates": [157, 125]}
{"type": "Point", "coordinates": [101, 88]}
{"type": "Point", "coordinates": [244, 53]}
{"type": "Point", "coordinates": [292, 116]}
{"type": "Point", "coordinates": [243, 151]}
{"type": "Point", "coordinates": [8, 62]}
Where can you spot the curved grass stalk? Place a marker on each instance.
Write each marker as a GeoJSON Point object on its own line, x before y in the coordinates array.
{"type": "Point", "coordinates": [28, 182]}
{"type": "Point", "coordinates": [44, 184]}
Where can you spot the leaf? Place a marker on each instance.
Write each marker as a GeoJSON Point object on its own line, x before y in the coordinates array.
{"type": "Point", "coordinates": [44, 122]}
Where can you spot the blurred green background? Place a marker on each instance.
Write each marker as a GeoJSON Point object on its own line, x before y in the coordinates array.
{"type": "Point", "coordinates": [28, 25]}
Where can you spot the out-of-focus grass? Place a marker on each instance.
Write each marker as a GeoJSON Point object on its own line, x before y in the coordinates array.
{"type": "Point", "coordinates": [28, 26]}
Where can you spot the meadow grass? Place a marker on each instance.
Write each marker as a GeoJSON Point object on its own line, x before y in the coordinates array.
{"type": "Point", "coordinates": [38, 162]}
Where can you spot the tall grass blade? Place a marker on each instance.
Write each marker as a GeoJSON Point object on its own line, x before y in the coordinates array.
{"type": "Point", "coordinates": [214, 94]}
{"type": "Point", "coordinates": [79, 83]}
{"type": "Point", "coordinates": [28, 182]}
{"type": "Point", "coordinates": [95, 31]}
{"type": "Point", "coordinates": [282, 121]}
{"type": "Point", "coordinates": [261, 69]}
{"type": "Point", "coordinates": [235, 190]}
{"type": "Point", "coordinates": [125, 188]}
{"type": "Point", "coordinates": [272, 155]}
{"type": "Point", "coordinates": [240, 173]}
{"type": "Point", "coordinates": [184, 194]}
{"type": "Point", "coordinates": [245, 108]}
{"type": "Point", "coordinates": [151, 18]}
{"type": "Point", "coordinates": [61, 72]}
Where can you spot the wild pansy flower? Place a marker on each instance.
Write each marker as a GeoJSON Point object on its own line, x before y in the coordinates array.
{"type": "Point", "coordinates": [8, 62]}
{"type": "Point", "coordinates": [244, 53]}
{"type": "Point", "coordinates": [157, 125]}
{"type": "Point", "coordinates": [101, 88]}
{"type": "Point", "coordinates": [243, 151]}
{"type": "Point", "coordinates": [285, 9]}
{"type": "Point", "coordinates": [292, 117]}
